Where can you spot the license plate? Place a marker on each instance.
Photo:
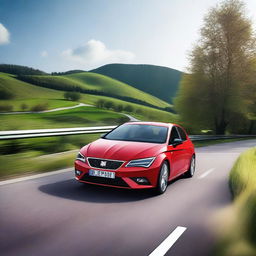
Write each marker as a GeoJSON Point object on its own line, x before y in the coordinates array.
{"type": "Point", "coordinates": [103, 174]}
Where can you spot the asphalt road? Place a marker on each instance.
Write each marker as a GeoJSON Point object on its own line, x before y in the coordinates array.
{"type": "Point", "coordinates": [55, 215]}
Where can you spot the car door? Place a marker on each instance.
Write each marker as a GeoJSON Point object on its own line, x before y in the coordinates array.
{"type": "Point", "coordinates": [176, 153]}
{"type": "Point", "coordinates": [186, 149]}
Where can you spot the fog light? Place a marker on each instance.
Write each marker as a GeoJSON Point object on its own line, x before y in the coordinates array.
{"type": "Point", "coordinates": [141, 180]}
{"type": "Point", "coordinates": [78, 173]}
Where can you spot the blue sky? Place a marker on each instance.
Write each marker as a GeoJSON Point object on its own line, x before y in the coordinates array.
{"type": "Point", "coordinates": [59, 35]}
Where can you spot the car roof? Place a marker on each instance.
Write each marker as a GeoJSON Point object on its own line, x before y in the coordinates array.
{"type": "Point", "coordinates": [151, 123]}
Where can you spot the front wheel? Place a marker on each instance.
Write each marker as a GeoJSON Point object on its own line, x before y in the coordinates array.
{"type": "Point", "coordinates": [190, 172]}
{"type": "Point", "coordinates": [163, 179]}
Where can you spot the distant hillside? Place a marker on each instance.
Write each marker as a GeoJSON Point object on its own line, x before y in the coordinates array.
{"type": "Point", "coordinates": [67, 72]}
{"type": "Point", "coordinates": [161, 82]}
{"type": "Point", "coordinates": [19, 70]}
{"type": "Point", "coordinates": [97, 84]}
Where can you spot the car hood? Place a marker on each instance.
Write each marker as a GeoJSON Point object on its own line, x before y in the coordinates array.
{"type": "Point", "coordinates": [122, 150]}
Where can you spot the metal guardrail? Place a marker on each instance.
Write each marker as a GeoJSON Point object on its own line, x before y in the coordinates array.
{"type": "Point", "coordinates": [23, 134]}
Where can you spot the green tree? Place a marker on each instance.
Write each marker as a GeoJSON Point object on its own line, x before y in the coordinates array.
{"type": "Point", "coordinates": [119, 108]}
{"type": "Point", "coordinates": [128, 108]}
{"type": "Point", "coordinates": [100, 103]}
{"type": "Point", "coordinates": [108, 105]}
{"type": "Point", "coordinates": [221, 66]}
{"type": "Point", "coordinates": [24, 106]}
{"type": "Point", "coordinates": [74, 96]}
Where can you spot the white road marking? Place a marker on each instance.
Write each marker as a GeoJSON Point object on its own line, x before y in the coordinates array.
{"type": "Point", "coordinates": [40, 175]}
{"type": "Point", "coordinates": [206, 173]}
{"type": "Point", "coordinates": [164, 247]}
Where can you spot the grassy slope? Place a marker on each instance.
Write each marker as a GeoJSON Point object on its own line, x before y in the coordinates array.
{"type": "Point", "coordinates": [239, 237]}
{"type": "Point", "coordinates": [161, 82]}
{"type": "Point", "coordinates": [78, 117]}
{"type": "Point", "coordinates": [30, 94]}
{"type": "Point", "coordinates": [92, 81]}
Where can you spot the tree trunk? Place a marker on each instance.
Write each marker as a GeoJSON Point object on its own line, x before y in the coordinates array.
{"type": "Point", "coordinates": [250, 130]}
{"type": "Point", "coordinates": [220, 128]}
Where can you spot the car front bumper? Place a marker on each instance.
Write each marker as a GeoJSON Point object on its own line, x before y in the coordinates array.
{"type": "Point", "coordinates": [125, 177]}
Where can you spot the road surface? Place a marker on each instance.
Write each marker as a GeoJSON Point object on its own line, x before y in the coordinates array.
{"type": "Point", "coordinates": [46, 111]}
{"type": "Point", "coordinates": [55, 215]}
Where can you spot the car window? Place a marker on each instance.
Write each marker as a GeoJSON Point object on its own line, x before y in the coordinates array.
{"type": "Point", "coordinates": [182, 133]}
{"type": "Point", "coordinates": [139, 132]}
{"type": "Point", "coordinates": [174, 135]}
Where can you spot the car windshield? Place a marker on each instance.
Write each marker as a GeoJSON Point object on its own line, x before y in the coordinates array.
{"type": "Point", "coordinates": [139, 132]}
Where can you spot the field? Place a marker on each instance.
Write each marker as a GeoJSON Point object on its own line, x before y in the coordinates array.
{"type": "Point", "coordinates": [96, 82]}
{"type": "Point", "coordinates": [31, 95]}
{"type": "Point", "coordinates": [78, 117]}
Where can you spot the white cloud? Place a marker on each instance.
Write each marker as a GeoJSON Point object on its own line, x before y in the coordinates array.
{"type": "Point", "coordinates": [4, 35]}
{"type": "Point", "coordinates": [44, 54]}
{"type": "Point", "coordinates": [95, 53]}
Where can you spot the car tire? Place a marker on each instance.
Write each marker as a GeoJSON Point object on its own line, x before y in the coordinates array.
{"type": "Point", "coordinates": [162, 182]}
{"type": "Point", "coordinates": [192, 168]}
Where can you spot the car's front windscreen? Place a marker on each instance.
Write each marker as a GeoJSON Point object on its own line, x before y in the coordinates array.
{"type": "Point", "coordinates": [139, 132]}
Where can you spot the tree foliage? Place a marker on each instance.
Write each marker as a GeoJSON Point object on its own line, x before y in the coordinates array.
{"type": "Point", "coordinates": [74, 96]}
{"type": "Point", "coordinates": [222, 65]}
{"type": "Point", "coordinates": [20, 70]}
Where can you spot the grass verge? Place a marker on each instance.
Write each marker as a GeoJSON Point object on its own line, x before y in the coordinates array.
{"type": "Point", "coordinates": [239, 238]}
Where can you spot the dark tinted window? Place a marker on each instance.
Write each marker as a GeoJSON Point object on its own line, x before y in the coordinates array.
{"type": "Point", "coordinates": [182, 133]}
{"type": "Point", "coordinates": [139, 132]}
{"type": "Point", "coordinates": [174, 135]}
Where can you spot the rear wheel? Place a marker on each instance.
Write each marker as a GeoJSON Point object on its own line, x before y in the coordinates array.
{"type": "Point", "coordinates": [163, 179]}
{"type": "Point", "coordinates": [190, 172]}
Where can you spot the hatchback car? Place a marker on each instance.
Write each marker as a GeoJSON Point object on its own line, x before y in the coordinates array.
{"type": "Point", "coordinates": [137, 155]}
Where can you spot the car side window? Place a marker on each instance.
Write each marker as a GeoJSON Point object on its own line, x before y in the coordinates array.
{"type": "Point", "coordinates": [182, 133]}
{"type": "Point", "coordinates": [174, 135]}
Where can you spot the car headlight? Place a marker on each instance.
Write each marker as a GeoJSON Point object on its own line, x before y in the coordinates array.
{"type": "Point", "coordinates": [145, 162]}
{"type": "Point", "coordinates": [81, 157]}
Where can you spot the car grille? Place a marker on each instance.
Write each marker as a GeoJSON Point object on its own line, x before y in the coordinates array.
{"type": "Point", "coordinates": [109, 164]}
{"type": "Point", "coordinates": [117, 181]}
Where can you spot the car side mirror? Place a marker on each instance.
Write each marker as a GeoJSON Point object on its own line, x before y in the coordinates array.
{"type": "Point", "coordinates": [176, 142]}
{"type": "Point", "coordinates": [103, 135]}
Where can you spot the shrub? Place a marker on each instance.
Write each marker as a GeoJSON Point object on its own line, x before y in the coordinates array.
{"type": "Point", "coordinates": [6, 108]}
{"type": "Point", "coordinates": [5, 94]}
{"type": "Point", "coordinates": [100, 103]}
{"type": "Point", "coordinates": [128, 108]}
{"type": "Point", "coordinates": [119, 108]}
{"type": "Point", "coordinates": [24, 106]}
{"type": "Point", "coordinates": [74, 96]}
{"type": "Point", "coordinates": [40, 107]}
{"type": "Point", "coordinates": [109, 105]}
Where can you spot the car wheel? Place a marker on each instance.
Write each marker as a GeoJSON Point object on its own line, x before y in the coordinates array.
{"type": "Point", "coordinates": [192, 168]}
{"type": "Point", "coordinates": [163, 178]}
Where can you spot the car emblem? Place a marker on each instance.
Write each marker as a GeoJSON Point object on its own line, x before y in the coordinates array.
{"type": "Point", "coordinates": [103, 163]}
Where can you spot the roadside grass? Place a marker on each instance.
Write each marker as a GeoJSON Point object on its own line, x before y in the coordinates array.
{"type": "Point", "coordinates": [78, 117]}
{"type": "Point", "coordinates": [239, 238]}
{"type": "Point", "coordinates": [35, 155]}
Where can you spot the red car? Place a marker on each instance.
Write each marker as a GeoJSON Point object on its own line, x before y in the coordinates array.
{"type": "Point", "coordinates": [137, 155]}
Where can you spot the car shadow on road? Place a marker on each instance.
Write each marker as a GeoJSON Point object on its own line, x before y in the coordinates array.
{"type": "Point", "coordinates": [71, 189]}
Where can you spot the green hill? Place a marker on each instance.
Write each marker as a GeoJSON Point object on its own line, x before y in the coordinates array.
{"type": "Point", "coordinates": [24, 93]}
{"type": "Point", "coordinates": [97, 84]}
{"type": "Point", "coordinates": [161, 82]}
{"type": "Point", "coordinates": [19, 70]}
